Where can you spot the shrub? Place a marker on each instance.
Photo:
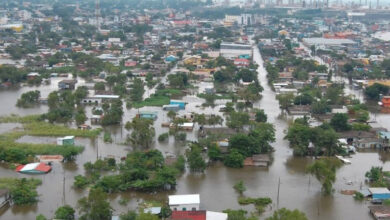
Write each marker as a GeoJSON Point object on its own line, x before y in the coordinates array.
{"type": "Point", "coordinates": [163, 137]}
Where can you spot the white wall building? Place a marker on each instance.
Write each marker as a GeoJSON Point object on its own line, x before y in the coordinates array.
{"type": "Point", "coordinates": [184, 202]}
{"type": "Point", "coordinates": [232, 50]}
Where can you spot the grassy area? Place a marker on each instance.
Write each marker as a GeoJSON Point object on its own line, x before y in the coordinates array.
{"type": "Point", "coordinates": [155, 100]}
{"type": "Point", "coordinates": [160, 98]}
{"type": "Point", "coordinates": [33, 126]}
{"type": "Point", "coordinates": [9, 182]}
{"type": "Point", "coordinates": [216, 96]}
{"type": "Point", "coordinates": [19, 119]}
{"type": "Point", "coordinates": [14, 152]}
{"type": "Point", "coordinates": [47, 129]}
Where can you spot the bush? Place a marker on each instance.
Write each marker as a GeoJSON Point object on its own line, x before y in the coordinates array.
{"type": "Point", "coordinates": [163, 137]}
{"type": "Point", "coordinates": [107, 137]}
{"type": "Point", "coordinates": [80, 181]}
{"type": "Point", "coordinates": [180, 136]}
{"type": "Point", "coordinates": [358, 196]}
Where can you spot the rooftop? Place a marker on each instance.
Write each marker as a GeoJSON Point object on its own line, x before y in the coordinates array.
{"type": "Point", "coordinates": [184, 199]}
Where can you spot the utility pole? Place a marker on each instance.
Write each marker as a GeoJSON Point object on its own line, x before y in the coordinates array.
{"type": "Point", "coordinates": [97, 14]}
{"type": "Point", "coordinates": [277, 200]}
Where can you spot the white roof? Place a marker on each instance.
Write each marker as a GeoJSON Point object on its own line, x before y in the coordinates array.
{"type": "Point", "coordinates": [184, 199]}
{"type": "Point", "coordinates": [29, 166]}
{"type": "Point", "coordinates": [216, 216]}
{"type": "Point", "coordinates": [187, 124]}
{"type": "Point", "coordinates": [379, 190]}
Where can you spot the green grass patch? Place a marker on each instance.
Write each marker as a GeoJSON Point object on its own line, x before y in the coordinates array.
{"type": "Point", "coordinates": [216, 96]}
{"type": "Point", "coordinates": [47, 129]}
{"type": "Point", "coordinates": [19, 119]}
{"type": "Point", "coordinates": [14, 152]}
{"type": "Point", "coordinates": [10, 182]}
{"type": "Point", "coordinates": [160, 98]}
{"type": "Point", "coordinates": [155, 100]}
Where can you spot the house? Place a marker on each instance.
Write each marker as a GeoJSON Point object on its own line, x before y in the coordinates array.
{"type": "Point", "coordinates": [216, 215]}
{"type": "Point", "coordinates": [193, 60]}
{"type": "Point", "coordinates": [380, 212]}
{"type": "Point", "coordinates": [33, 168]}
{"type": "Point", "coordinates": [32, 76]}
{"type": "Point", "coordinates": [50, 158]}
{"type": "Point", "coordinates": [147, 115]}
{"type": "Point", "coordinates": [379, 193]}
{"type": "Point", "coordinates": [386, 101]}
{"type": "Point", "coordinates": [369, 143]}
{"type": "Point", "coordinates": [5, 197]}
{"type": "Point", "coordinates": [339, 109]}
{"type": "Point", "coordinates": [188, 215]}
{"type": "Point", "coordinates": [184, 202]}
{"type": "Point", "coordinates": [181, 104]}
{"type": "Point", "coordinates": [130, 63]}
{"type": "Point", "coordinates": [241, 62]}
{"type": "Point", "coordinates": [68, 140]}
{"type": "Point", "coordinates": [286, 77]}
{"type": "Point", "coordinates": [233, 50]}
{"type": "Point", "coordinates": [170, 58]}
{"type": "Point", "coordinates": [67, 84]}
{"type": "Point", "coordinates": [188, 126]}
{"type": "Point", "coordinates": [173, 107]}
{"type": "Point", "coordinates": [153, 210]}
{"type": "Point", "coordinates": [258, 160]}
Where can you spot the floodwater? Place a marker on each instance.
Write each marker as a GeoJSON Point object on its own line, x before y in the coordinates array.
{"type": "Point", "coordinates": [297, 189]}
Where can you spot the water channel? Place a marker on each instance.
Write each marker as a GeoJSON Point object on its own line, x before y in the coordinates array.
{"type": "Point", "coordinates": [297, 189]}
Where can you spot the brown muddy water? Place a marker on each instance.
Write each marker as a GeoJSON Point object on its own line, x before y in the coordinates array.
{"type": "Point", "coordinates": [297, 189]}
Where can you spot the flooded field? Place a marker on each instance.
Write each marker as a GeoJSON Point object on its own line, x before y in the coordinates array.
{"type": "Point", "coordinates": [297, 189]}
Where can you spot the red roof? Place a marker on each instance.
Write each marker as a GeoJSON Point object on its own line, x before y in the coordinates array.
{"type": "Point", "coordinates": [43, 167]}
{"type": "Point", "coordinates": [189, 215]}
{"type": "Point", "coordinates": [241, 60]}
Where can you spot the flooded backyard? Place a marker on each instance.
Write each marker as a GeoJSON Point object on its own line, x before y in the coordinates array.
{"type": "Point", "coordinates": [297, 189]}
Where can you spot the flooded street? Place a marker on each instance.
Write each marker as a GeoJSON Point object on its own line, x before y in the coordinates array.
{"type": "Point", "coordinates": [297, 189]}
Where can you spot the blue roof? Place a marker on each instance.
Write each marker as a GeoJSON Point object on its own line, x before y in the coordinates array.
{"type": "Point", "coordinates": [384, 134]}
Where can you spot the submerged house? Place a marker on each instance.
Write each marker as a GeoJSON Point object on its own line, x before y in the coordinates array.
{"type": "Point", "coordinates": [33, 168]}
{"type": "Point", "coordinates": [5, 197]}
{"type": "Point", "coordinates": [67, 84]}
{"type": "Point", "coordinates": [147, 115]}
{"type": "Point", "coordinates": [68, 140]}
{"type": "Point", "coordinates": [258, 160]}
{"type": "Point", "coordinates": [182, 104]}
{"type": "Point", "coordinates": [184, 202]}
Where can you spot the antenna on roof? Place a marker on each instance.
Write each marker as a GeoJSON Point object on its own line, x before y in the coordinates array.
{"type": "Point", "coordinates": [97, 13]}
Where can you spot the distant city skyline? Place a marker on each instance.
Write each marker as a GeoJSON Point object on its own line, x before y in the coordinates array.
{"type": "Point", "coordinates": [373, 2]}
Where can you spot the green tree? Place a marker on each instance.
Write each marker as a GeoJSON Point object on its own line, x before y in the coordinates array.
{"type": "Point", "coordinates": [340, 122]}
{"type": "Point", "coordinates": [325, 172]}
{"type": "Point", "coordinates": [195, 159]}
{"type": "Point", "coordinates": [285, 100]}
{"type": "Point", "coordinates": [29, 99]}
{"type": "Point", "coordinates": [95, 206]}
{"type": "Point", "coordinates": [234, 159]}
{"type": "Point", "coordinates": [237, 120]}
{"type": "Point", "coordinates": [260, 115]}
{"type": "Point", "coordinates": [80, 117]}
{"type": "Point", "coordinates": [40, 217]}
{"type": "Point", "coordinates": [374, 91]}
{"type": "Point", "coordinates": [65, 212]}
{"type": "Point", "coordinates": [137, 90]}
{"type": "Point", "coordinates": [240, 187]}
{"type": "Point", "coordinates": [142, 132]}
{"type": "Point", "coordinates": [24, 192]}
{"type": "Point", "coordinates": [285, 214]}
{"type": "Point", "coordinates": [99, 86]}
{"type": "Point", "coordinates": [214, 153]}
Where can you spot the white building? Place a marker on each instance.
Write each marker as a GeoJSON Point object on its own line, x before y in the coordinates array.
{"type": "Point", "coordinates": [184, 202]}
{"type": "Point", "coordinates": [216, 216]}
{"type": "Point", "coordinates": [232, 50]}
